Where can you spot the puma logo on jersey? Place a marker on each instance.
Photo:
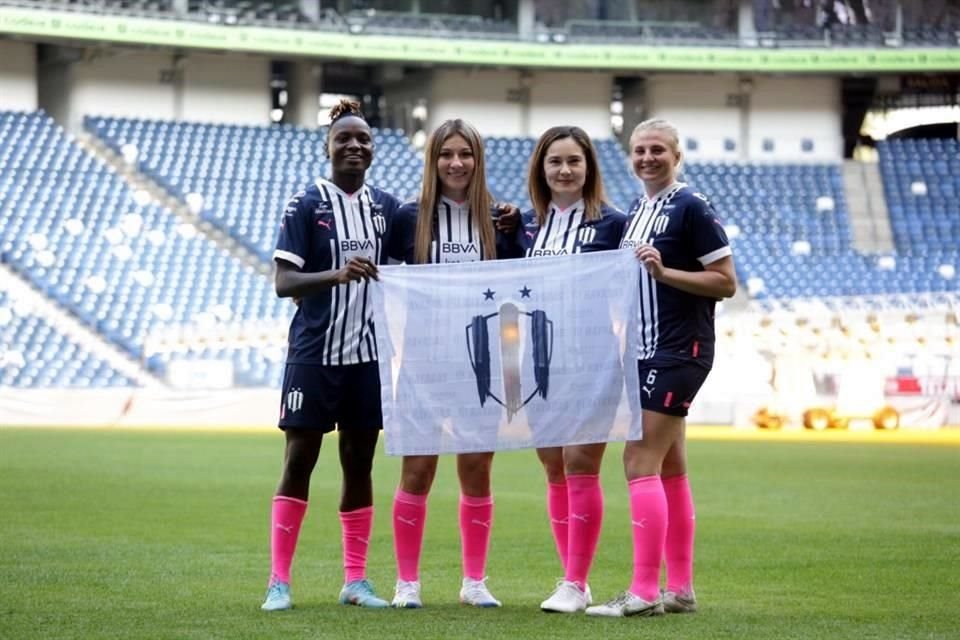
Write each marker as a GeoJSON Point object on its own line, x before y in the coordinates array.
{"type": "Point", "coordinates": [327, 224]}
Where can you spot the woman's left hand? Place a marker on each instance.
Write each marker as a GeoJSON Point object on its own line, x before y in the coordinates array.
{"type": "Point", "coordinates": [650, 258]}
{"type": "Point", "coordinates": [509, 217]}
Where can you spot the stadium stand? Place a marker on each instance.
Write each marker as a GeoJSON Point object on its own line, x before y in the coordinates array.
{"type": "Point", "coordinates": [246, 173]}
{"type": "Point", "coordinates": [431, 24]}
{"type": "Point", "coordinates": [791, 220]}
{"type": "Point", "coordinates": [921, 180]}
{"type": "Point", "coordinates": [36, 354]}
{"type": "Point", "coordinates": [120, 263]}
{"type": "Point", "coordinates": [676, 24]}
{"type": "Point", "coordinates": [676, 33]}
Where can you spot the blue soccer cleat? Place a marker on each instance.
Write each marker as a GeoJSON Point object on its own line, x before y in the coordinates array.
{"type": "Point", "coordinates": [278, 597]}
{"type": "Point", "coordinates": [360, 593]}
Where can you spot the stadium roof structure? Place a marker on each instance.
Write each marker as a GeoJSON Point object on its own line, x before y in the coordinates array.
{"type": "Point", "coordinates": [86, 27]}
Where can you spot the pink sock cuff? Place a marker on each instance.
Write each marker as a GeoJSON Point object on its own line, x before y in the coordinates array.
{"type": "Point", "coordinates": [557, 485]}
{"type": "Point", "coordinates": [674, 480]}
{"type": "Point", "coordinates": [646, 483]}
{"type": "Point", "coordinates": [357, 514]}
{"type": "Point", "coordinates": [583, 480]}
{"type": "Point", "coordinates": [410, 498]}
{"type": "Point", "coordinates": [289, 499]}
{"type": "Point", "coordinates": [475, 501]}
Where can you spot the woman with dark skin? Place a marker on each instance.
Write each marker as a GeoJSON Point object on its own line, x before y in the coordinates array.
{"type": "Point", "coordinates": [333, 234]}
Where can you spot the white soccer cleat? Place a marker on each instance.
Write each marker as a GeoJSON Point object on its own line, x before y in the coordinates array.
{"type": "Point", "coordinates": [476, 594]}
{"type": "Point", "coordinates": [566, 598]}
{"type": "Point", "coordinates": [407, 595]}
{"type": "Point", "coordinates": [626, 604]}
{"type": "Point", "coordinates": [684, 602]}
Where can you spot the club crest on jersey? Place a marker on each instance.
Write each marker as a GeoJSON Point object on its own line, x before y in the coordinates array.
{"type": "Point", "coordinates": [660, 224]}
{"type": "Point", "coordinates": [294, 400]}
{"type": "Point", "coordinates": [586, 235]}
{"type": "Point", "coordinates": [478, 348]}
{"type": "Point", "coordinates": [379, 221]}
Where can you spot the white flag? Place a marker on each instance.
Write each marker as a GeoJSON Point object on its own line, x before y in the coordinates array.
{"type": "Point", "coordinates": [508, 354]}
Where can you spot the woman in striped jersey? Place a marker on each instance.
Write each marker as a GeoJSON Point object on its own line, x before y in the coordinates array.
{"type": "Point", "coordinates": [688, 265]}
{"type": "Point", "coordinates": [451, 222]}
{"type": "Point", "coordinates": [570, 215]}
{"type": "Point", "coordinates": [333, 234]}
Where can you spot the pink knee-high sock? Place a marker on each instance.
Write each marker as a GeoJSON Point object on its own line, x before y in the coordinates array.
{"type": "Point", "coordinates": [558, 509]}
{"type": "Point", "coordinates": [286, 516]}
{"type": "Point", "coordinates": [356, 527]}
{"type": "Point", "coordinates": [681, 525]}
{"type": "Point", "coordinates": [476, 522]}
{"type": "Point", "coordinates": [586, 519]}
{"type": "Point", "coordinates": [409, 518]}
{"type": "Point", "coordinates": [648, 515]}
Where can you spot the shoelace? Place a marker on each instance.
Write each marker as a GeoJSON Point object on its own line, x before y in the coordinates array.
{"type": "Point", "coordinates": [479, 587]}
{"type": "Point", "coordinates": [621, 600]}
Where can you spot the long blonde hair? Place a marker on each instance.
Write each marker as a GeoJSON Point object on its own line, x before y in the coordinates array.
{"type": "Point", "coordinates": [593, 194]}
{"type": "Point", "coordinates": [478, 196]}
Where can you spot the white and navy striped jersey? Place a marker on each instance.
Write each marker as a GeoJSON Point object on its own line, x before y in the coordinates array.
{"type": "Point", "coordinates": [455, 235]}
{"type": "Point", "coordinates": [683, 226]}
{"type": "Point", "coordinates": [565, 231]}
{"type": "Point", "coordinates": [322, 229]}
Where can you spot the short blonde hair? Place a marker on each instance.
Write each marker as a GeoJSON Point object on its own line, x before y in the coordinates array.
{"type": "Point", "coordinates": [665, 127]}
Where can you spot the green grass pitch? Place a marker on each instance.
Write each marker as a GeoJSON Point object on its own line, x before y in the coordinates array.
{"type": "Point", "coordinates": [165, 535]}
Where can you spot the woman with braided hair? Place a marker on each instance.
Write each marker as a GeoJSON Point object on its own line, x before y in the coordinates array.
{"type": "Point", "coordinates": [333, 234]}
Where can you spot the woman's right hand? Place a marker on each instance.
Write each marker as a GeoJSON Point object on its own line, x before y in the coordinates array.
{"type": "Point", "coordinates": [356, 269]}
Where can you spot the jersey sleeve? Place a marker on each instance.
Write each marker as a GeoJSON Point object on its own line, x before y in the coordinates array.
{"type": "Point", "coordinates": [509, 245]}
{"type": "Point", "coordinates": [527, 231]}
{"type": "Point", "coordinates": [706, 233]}
{"type": "Point", "coordinates": [403, 233]}
{"type": "Point", "coordinates": [618, 223]}
{"type": "Point", "coordinates": [293, 241]}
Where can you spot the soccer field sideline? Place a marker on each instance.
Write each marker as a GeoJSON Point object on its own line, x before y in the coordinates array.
{"type": "Point", "coordinates": [944, 436]}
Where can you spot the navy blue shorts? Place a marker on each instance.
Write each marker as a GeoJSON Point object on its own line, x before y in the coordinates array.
{"type": "Point", "coordinates": [323, 398]}
{"type": "Point", "coordinates": [670, 388]}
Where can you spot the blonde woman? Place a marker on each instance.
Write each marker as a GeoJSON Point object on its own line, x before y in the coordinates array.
{"type": "Point", "coordinates": [688, 266]}
{"type": "Point", "coordinates": [452, 221]}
